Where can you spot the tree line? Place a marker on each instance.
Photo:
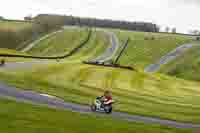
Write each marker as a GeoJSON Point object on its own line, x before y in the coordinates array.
{"type": "Point", "coordinates": [45, 23]}
{"type": "Point", "coordinates": [104, 23]}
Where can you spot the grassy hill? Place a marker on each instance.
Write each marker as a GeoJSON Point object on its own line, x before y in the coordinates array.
{"type": "Point", "coordinates": [137, 93]}
{"type": "Point", "coordinates": [146, 48]}
{"type": "Point", "coordinates": [186, 66]}
{"type": "Point", "coordinates": [14, 25]}
{"type": "Point", "coordinates": [60, 43]}
{"type": "Point", "coordinates": [20, 117]}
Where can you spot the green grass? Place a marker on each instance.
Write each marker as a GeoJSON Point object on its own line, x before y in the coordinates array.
{"type": "Point", "coordinates": [21, 117]}
{"type": "Point", "coordinates": [60, 43]}
{"type": "Point", "coordinates": [142, 50]}
{"type": "Point", "coordinates": [136, 92]}
{"type": "Point", "coordinates": [67, 40]}
{"type": "Point", "coordinates": [12, 25]}
{"type": "Point", "coordinates": [185, 66]}
{"type": "Point", "coordinates": [10, 51]}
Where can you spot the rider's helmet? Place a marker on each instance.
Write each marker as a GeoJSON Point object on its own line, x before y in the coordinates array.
{"type": "Point", "coordinates": [107, 93]}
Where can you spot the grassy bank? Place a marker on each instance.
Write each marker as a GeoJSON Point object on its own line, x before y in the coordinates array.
{"type": "Point", "coordinates": [146, 48]}
{"type": "Point", "coordinates": [185, 66]}
{"type": "Point", "coordinates": [60, 43]}
{"type": "Point", "coordinates": [10, 51]}
{"type": "Point", "coordinates": [137, 93]}
{"type": "Point", "coordinates": [20, 117]}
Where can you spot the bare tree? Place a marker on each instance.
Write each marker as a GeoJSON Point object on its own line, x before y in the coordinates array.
{"type": "Point", "coordinates": [195, 32]}
{"type": "Point", "coordinates": [173, 30]}
{"type": "Point", "coordinates": [157, 28]}
{"type": "Point", "coordinates": [28, 18]}
{"type": "Point", "coordinates": [1, 18]}
{"type": "Point", "coordinates": [167, 29]}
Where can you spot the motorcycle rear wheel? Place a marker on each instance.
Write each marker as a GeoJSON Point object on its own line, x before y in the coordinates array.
{"type": "Point", "coordinates": [108, 110]}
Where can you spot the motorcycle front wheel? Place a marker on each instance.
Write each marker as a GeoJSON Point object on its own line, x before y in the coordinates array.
{"type": "Point", "coordinates": [93, 107]}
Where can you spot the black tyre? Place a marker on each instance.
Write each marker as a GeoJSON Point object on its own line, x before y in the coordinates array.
{"type": "Point", "coordinates": [108, 109]}
{"type": "Point", "coordinates": [93, 107]}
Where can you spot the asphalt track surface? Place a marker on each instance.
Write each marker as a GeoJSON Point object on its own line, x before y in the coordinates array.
{"type": "Point", "coordinates": [110, 51]}
{"type": "Point", "coordinates": [24, 65]}
{"type": "Point", "coordinates": [168, 57]}
{"type": "Point", "coordinates": [54, 102]}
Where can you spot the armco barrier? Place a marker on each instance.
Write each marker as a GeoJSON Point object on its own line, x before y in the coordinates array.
{"type": "Point", "coordinates": [52, 57]}
{"type": "Point", "coordinates": [110, 65]}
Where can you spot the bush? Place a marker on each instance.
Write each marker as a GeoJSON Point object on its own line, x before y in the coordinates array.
{"type": "Point", "coordinates": [8, 38]}
{"type": "Point", "coordinates": [1, 18]}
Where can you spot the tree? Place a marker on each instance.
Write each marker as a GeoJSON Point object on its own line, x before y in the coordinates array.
{"type": "Point", "coordinates": [1, 18]}
{"type": "Point", "coordinates": [157, 28]}
{"type": "Point", "coordinates": [173, 30]}
{"type": "Point", "coordinates": [83, 21]}
{"type": "Point", "coordinates": [195, 32]}
{"type": "Point", "coordinates": [48, 23]}
{"type": "Point", "coordinates": [167, 29]}
{"type": "Point", "coordinates": [28, 18]}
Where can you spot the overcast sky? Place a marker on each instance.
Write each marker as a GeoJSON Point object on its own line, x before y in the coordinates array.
{"type": "Point", "coordinates": [182, 14]}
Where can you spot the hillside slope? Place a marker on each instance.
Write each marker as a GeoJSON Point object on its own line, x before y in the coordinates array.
{"type": "Point", "coordinates": [137, 92]}
{"type": "Point", "coordinates": [60, 43]}
{"type": "Point", "coordinates": [147, 48]}
{"type": "Point", "coordinates": [14, 33]}
{"type": "Point", "coordinates": [185, 66]}
{"type": "Point", "coordinates": [22, 117]}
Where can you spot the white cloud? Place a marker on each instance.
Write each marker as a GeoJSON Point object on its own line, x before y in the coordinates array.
{"type": "Point", "coordinates": [174, 13]}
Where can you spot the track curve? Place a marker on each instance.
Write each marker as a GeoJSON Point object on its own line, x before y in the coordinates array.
{"type": "Point", "coordinates": [110, 51]}
{"type": "Point", "coordinates": [168, 57]}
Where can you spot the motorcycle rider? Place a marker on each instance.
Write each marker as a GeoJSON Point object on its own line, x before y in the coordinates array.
{"type": "Point", "coordinates": [106, 99]}
{"type": "Point", "coordinates": [103, 103]}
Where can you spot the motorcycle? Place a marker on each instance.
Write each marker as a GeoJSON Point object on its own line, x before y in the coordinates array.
{"type": "Point", "coordinates": [99, 106]}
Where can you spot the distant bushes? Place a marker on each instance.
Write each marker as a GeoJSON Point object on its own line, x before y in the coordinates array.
{"type": "Point", "coordinates": [1, 18]}
{"type": "Point", "coordinates": [45, 23]}
{"type": "Point", "coordinates": [149, 38]}
{"type": "Point", "coordinates": [104, 23]}
{"type": "Point", "coordinates": [48, 23]}
{"type": "Point", "coordinates": [11, 39]}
